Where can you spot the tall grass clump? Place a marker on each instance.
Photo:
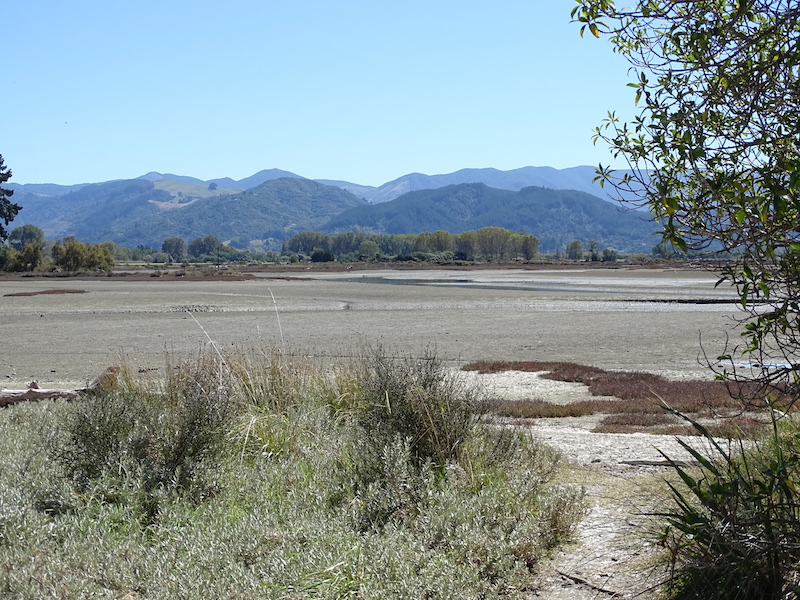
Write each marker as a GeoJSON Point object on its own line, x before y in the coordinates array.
{"type": "Point", "coordinates": [734, 528]}
{"type": "Point", "coordinates": [153, 438]}
{"type": "Point", "coordinates": [263, 475]}
{"type": "Point", "coordinates": [418, 400]}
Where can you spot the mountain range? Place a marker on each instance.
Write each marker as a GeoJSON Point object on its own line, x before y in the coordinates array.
{"type": "Point", "coordinates": [262, 210]}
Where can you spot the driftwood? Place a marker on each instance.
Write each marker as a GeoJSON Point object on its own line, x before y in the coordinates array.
{"type": "Point", "coordinates": [8, 397]}
{"type": "Point", "coordinates": [35, 393]}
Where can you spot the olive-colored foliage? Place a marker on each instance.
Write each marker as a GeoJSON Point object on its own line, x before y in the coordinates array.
{"type": "Point", "coordinates": [71, 255]}
{"type": "Point", "coordinates": [308, 241]}
{"type": "Point", "coordinates": [488, 243]}
{"type": "Point", "coordinates": [30, 258]}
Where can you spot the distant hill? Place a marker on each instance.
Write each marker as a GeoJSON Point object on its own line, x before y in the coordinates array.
{"type": "Point", "coordinates": [224, 182]}
{"type": "Point", "coordinates": [556, 217]}
{"type": "Point", "coordinates": [575, 178]}
{"type": "Point", "coordinates": [136, 212]}
{"type": "Point", "coordinates": [555, 205]}
{"type": "Point", "coordinates": [93, 212]}
{"type": "Point", "coordinates": [277, 209]}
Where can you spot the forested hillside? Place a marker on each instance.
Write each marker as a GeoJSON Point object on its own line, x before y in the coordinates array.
{"type": "Point", "coordinates": [556, 217]}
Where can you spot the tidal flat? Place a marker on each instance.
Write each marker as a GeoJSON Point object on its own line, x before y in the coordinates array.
{"type": "Point", "coordinates": [663, 320]}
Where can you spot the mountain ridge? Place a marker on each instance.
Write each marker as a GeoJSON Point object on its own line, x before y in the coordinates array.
{"type": "Point", "coordinates": [153, 207]}
{"type": "Point", "coordinates": [556, 217]}
{"type": "Point", "coordinates": [577, 178]}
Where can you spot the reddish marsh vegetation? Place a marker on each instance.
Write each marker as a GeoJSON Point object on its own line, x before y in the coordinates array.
{"type": "Point", "coordinates": [638, 399]}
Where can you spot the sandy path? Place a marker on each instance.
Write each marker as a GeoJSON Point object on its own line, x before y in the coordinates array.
{"type": "Point", "coordinates": [613, 554]}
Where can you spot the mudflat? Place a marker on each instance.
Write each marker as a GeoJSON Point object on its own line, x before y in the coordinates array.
{"type": "Point", "coordinates": [660, 320]}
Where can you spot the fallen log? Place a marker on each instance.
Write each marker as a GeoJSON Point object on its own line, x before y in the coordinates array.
{"type": "Point", "coordinates": [9, 397]}
{"type": "Point", "coordinates": [35, 393]}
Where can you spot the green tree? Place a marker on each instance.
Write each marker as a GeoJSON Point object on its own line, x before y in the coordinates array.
{"type": "Point", "coordinates": [594, 250]}
{"type": "Point", "coordinates": [117, 252]}
{"type": "Point", "coordinates": [493, 242]}
{"type": "Point", "coordinates": [442, 241]}
{"type": "Point", "coordinates": [308, 241]}
{"type": "Point", "coordinates": [394, 244]}
{"type": "Point", "coordinates": [69, 254]}
{"type": "Point", "coordinates": [99, 258]}
{"type": "Point", "coordinates": [610, 255]}
{"type": "Point", "coordinates": [174, 247]}
{"type": "Point", "coordinates": [368, 250]}
{"type": "Point", "coordinates": [423, 242]}
{"type": "Point", "coordinates": [575, 250]}
{"type": "Point", "coordinates": [321, 255]}
{"type": "Point", "coordinates": [209, 244]}
{"type": "Point", "coordinates": [525, 245]}
{"type": "Point", "coordinates": [715, 158]}
{"type": "Point", "coordinates": [8, 210]}
{"type": "Point", "coordinates": [30, 258]}
{"type": "Point", "coordinates": [467, 245]}
{"type": "Point", "coordinates": [347, 242]}
{"type": "Point", "coordinates": [24, 235]}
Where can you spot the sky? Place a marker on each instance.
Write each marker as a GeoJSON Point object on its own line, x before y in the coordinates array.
{"type": "Point", "coordinates": [356, 90]}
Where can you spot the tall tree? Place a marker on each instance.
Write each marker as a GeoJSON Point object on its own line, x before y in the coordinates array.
{"type": "Point", "coordinates": [204, 245]}
{"type": "Point", "coordinates": [8, 210]}
{"type": "Point", "coordinates": [574, 250]}
{"type": "Point", "coordinates": [174, 247]}
{"type": "Point", "coordinates": [24, 235]}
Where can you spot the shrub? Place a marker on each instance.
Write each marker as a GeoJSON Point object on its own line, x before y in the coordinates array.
{"type": "Point", "coordinates": [415, 399]}
{"type": "Point", "coordinates": [291, 513]}
{"type": "Point", "coordinates": [160, 437]}
{"type": "Point", "coordinates": [734, 530]}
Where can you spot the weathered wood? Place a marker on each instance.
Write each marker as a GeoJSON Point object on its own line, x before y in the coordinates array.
{"type": "Point", "coordinates": [35, 393]}
{"type": "Point", "coordinates": [8, 397]}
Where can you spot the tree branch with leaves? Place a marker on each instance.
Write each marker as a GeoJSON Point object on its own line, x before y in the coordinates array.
{"type": "Point", "coordinates": [714, 152]}
{"type": "Point", "coordinates": [8, 210]}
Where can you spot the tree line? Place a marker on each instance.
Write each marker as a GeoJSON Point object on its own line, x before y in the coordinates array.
{"type": "Point", "coordinates": [488, 243]}
{"type": "Point", "coordinates": [28, 251]}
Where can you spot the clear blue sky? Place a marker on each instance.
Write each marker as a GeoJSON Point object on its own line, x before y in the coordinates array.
{"type": "Point", "coordinates": [358, 90]}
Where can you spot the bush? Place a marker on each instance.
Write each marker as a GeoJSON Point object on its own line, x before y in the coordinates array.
{"type": "Point", "coordinates": [734, 531]}
{"type": "Point", "coordinates": [414, 399]}
{"type": "Point", "coordinates": [163, 438]}
{"type": "Point", "coordinates": [292, 514]}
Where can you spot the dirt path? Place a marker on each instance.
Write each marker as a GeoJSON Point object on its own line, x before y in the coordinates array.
{"type": "Point", "coordinates": [613, 555]}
